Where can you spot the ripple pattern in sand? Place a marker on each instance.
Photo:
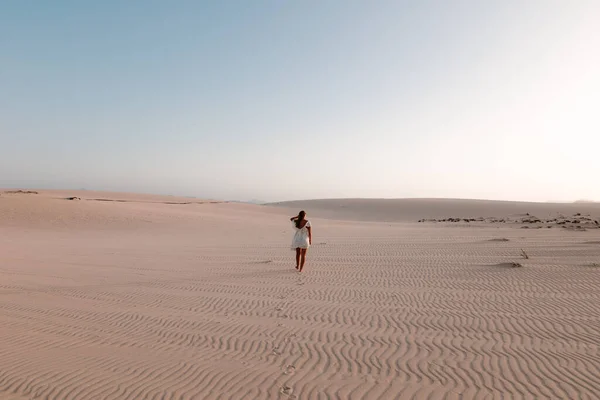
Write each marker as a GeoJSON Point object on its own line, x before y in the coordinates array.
{"type": "Point", "coordinates": [382, 312]}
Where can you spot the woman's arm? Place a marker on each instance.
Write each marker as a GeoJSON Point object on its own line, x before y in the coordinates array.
{"type": "Point", "coordinates": [309, 235]}
{"type": "Point", "coordinates": [294, 218]}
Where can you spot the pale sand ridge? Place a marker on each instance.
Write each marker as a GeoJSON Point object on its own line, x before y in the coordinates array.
{"type": "Point", "coordinates": [411, 210]}
{"type": "Point", "coordinates": [147, 300]}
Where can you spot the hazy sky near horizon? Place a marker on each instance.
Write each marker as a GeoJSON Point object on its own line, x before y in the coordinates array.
{"type": "Point", "coordinates": [278, 100]}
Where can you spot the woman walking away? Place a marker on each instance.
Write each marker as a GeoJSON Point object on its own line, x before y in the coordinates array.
{"type": "Point", "coordinates": [302, 238]}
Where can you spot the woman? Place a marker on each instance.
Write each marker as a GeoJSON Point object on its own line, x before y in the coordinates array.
{"type": "Point", "coordinates": [302, 238]}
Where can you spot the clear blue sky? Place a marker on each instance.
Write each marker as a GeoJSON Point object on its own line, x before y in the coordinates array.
{"type": "Point", "coordinates": [303, 99]}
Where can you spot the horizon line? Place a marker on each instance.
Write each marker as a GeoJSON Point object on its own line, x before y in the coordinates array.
{"type": "Point", "coordinates": [261, 202]}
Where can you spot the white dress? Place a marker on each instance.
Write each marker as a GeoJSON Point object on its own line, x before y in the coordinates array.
{"type": "Point", "coordinates": [300, 239]}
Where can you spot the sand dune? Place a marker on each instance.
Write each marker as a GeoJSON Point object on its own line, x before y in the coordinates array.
{"type": "Point", "coordinates": [141, 299]}
{"type": "Point", "coordinates": [411, 210]}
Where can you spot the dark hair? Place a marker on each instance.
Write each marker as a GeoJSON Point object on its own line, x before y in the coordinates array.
{"type": "Point", "coordinates": [300, 218]}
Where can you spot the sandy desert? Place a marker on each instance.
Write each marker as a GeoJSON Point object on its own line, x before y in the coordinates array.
{"type": "Point", "coordinates": [123, 296]}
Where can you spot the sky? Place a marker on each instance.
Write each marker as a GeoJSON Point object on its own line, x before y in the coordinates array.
{"type": "Point", "coordinates": [284, 100]}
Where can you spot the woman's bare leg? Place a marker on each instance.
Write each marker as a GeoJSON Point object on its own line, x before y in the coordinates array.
{"type": "Point", "coordinates": [302, 259]}
{"type": "Point", "coordinates": [297, 258]}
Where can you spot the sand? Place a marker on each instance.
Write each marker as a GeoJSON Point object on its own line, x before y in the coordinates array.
{"type": "Point", "coordinates": [151, 298]}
